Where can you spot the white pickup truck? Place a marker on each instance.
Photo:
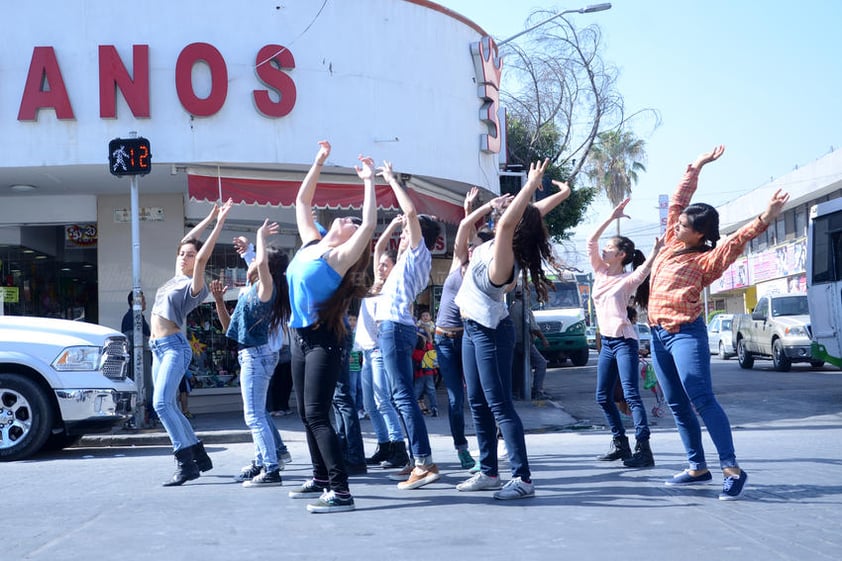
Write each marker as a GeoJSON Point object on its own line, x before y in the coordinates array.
{"type": "Point", "coordinates": [59, 380]}
{"type": "Point", "coordinates": [779, 329]}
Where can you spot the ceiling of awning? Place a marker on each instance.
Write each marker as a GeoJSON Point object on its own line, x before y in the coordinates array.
{"type": "Point", "coordinates": [329, 194]}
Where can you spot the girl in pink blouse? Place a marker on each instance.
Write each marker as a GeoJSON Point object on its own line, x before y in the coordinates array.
{"type": "Point", "coordinates": [618, 354]}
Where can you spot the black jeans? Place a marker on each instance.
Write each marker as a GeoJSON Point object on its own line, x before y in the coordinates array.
{"type": "Point", "coordinates": [316, 362]}
{"type": "Point", "coordinates": [280, 388]}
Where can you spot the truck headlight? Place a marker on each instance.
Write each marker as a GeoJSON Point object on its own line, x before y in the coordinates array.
{"type": "Point", "coordinates": [797, 331]}
{"type": "Point", "coordinates": [78, 359]}
{"type": "Point", "coordinates": [577, 328]}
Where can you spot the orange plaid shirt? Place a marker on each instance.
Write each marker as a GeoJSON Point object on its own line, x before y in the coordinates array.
{"type": "Point", "coordinates": [677, 281]}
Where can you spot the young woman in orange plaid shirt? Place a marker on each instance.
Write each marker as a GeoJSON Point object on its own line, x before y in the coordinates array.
{"type": "Point", "coordinates": [690, 261]}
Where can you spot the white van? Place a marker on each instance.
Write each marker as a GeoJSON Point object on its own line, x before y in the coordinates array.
{"type": "Point", "coordinates": [824, 280]}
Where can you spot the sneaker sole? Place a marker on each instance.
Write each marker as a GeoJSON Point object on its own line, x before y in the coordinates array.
{"type": "Point", "coordinates": [300, 495]}
{"type": "Point", "coordinates": [250, 484]}
{"type": "Point", "coordinates": [318, 509]}
{"type": "Point", "coordinates": [496, 487]}
{"type": "Point", "coordinates": [671, 483]}
{"type": "Point", "coordinates": [420, 483]}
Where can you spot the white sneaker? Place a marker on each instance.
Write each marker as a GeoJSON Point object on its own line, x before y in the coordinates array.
{"type": "Point", "coordinates": [479, 482]}
{"type": "Point", "coordinates": [515, 489]}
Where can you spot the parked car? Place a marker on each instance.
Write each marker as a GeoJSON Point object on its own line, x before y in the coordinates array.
{"type": "Point", "coordinates": [590, 335]}
{"type": "Point", "coordinates": [721, 336]}
{"type": "Point", "coordinates": [59, 380]}
{"type": "Point", "coordinates": [645, 336]}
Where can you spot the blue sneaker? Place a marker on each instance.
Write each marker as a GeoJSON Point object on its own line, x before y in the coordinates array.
{"type": "Point", "coordinates": [733, 487]}
{"type": "Point", "coordinates": [684, 478]}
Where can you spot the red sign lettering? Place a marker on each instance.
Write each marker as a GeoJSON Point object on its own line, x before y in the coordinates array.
{"type": "Point", "coordinates": [190, 55]}
{"type": "Point", "coordinates": [271, 60]}
{"type": "Point", "coordinates": [44, 87]}
{"type": "Point", "coordinates": [488, 67]}
{"type": "Point", "coordinates": [113, 75]}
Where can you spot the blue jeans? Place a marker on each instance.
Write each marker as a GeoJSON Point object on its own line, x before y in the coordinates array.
{"type": "Point", "coordinates": [449, 353]}
{"type": "Point", "coordinates": [487, 357]}
{"type": "Point", "coordinates": [619, 359]}
{"type": "Point", "coordinates": [426, 384]}
{"type": "Point", "coordinates": [396, 342]}
{"type": "Point", "coordinates": [171, 356]}
{"type": "Point", "coordinates": [345, 415]}
{"type": "Point", "coordinates": [682, 363]}
{"type": "Point", "coordinates": [377, 398]}
{"type": "Point", "coordinates": [257, 364]}
{"type": "Point", "coordinates": [316, 361]}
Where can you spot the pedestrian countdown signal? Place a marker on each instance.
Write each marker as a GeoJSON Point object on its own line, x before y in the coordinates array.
{"type": "Point", "coordinates": [129, 156]}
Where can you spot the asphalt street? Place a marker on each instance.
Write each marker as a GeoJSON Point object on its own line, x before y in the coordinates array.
{"type": "Point", "coordinates": [105, 498]}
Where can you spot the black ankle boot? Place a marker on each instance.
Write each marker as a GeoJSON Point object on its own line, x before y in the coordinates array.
{"type": "Point", "coordinates": [620, 450]}
{"type": "Point", "coordinates": [203, 461]}
{"type": "Point", "coordinates": [186, 469]}
{"type": "Point", "coordinates": [398, 457]}
{"type": "Point", "coordinates": [382, 452]}
{"type": "Point", "coordinates": [642, 456]}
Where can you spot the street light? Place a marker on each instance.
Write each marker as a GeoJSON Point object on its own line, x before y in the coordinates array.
{"type": "Point", "coordinates": [586, 10]}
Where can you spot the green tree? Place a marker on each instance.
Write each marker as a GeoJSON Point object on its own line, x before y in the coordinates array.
{"type": "Point", "coordinates": [614, 162]}
{"type": "Point", "coordinates": [524, 147]}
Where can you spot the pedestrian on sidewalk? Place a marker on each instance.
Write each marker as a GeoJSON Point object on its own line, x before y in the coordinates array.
{"type": "Point", "coordinates": [619, 360]}
{"type": "Point", "coordinates": [521, 243]}
{"type": "Point", "coordinates": [325, 274]}
{"type": "Point", "coordinates": [171, 352]}
{"type": "Point", "coordinates": [690, 261]}
{"type": "Point", "coordinates": [262, 308]}
{"type": "Point", "coordinates": [396, 328]}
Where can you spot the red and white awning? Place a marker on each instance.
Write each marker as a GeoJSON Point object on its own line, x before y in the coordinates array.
{"type": "Point", "coordinates": [331, 195]}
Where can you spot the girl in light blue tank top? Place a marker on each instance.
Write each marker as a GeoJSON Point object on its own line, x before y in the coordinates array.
{"type": "Point", "coordinates": [323, 277]}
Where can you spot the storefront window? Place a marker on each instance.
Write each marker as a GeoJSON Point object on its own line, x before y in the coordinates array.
{"type": "Point", "coordinates": [51, 273]}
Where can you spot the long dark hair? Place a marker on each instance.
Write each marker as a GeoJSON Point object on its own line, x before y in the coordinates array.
{"type": "Point", "coordinates": [355, 284]}
{"type": "Point", "coordinates": [635, 258]}
{"type": "Point", "coordinates": [531, 246]}
{"type": "Point", "coordinates": [278, 262]}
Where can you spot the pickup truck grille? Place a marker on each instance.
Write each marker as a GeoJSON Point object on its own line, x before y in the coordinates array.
{"type": "Point", "coordinates": [115, 358]}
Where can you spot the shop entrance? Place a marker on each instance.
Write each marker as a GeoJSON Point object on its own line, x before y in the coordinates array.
{"type": "Point", "coordinates": [49, 271]}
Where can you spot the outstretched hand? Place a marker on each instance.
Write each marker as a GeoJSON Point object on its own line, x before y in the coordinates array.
{"type": "Point", "coordinates": [775, 206]}
{"type": "Point", "coordinates": [323, 153]}
{"type": "Point", "coordinates": [367, 170]}
{"type": "Point", "coordinates": [268, 228]}
{"type": "Point", "coordinates": [385, 171]}
{"type": "Point", "coordinates": [217, 289]}
{"type": "Point", "coordinates": [241, 245]}
{"type": "Point", "coordinates": [620, 210]}
{"type": "Point", "coordinates": [224, 210]}
{"type": "Point", "coordinates": [708, 157]}
{"type": "Point", "coordinates": [500, 203]}
{"type": "Point", "coordinates": [470, 198]}
{"type": "Point", "coordinates": [537, 169]}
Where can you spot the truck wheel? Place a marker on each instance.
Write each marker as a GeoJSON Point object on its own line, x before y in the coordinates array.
{"type": "Point", "coordinates": [745, 358]}
{"type": "Point", "coordinates": [722, 353]}
{"type": "Point", "coordinates": [25, 417]}
{"type": "Point", "coordinates": [780, 361]}
{"type": "Point", "coordinates": [580, 357]}
{"type": "Point", "coordinates": [816, 363]}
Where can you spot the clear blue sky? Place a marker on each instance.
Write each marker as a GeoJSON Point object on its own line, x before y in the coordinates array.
{"type": "Point", "coordinates": [762, 78]}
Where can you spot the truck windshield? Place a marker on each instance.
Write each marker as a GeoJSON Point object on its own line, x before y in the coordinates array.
{"type": "Point", "coordinates": [790, 306]}
{"type": "Point", "coordinates": [565, 295]}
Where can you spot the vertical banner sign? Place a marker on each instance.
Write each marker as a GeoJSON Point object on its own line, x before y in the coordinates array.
{"type": "Point", "coordinates": [663, 207]}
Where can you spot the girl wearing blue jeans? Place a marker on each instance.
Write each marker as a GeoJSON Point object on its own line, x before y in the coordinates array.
{"type": "Point", "coordinates": [618, 354]}
{"type": "Point", "coordinates": [521, 243]}
{"type": "Point", "coordinates": [690, 261]}
{"type": "Point", "coordinates": [171, 353]}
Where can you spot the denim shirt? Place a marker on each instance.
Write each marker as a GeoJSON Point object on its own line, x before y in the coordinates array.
{"type": "Point", "coordinates": [250, 321]}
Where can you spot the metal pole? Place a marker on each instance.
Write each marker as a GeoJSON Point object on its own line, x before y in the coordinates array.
{"type": "Point", "coordinates": [587, 10]}
{"type": "Point", "coordinates": [137, 307]}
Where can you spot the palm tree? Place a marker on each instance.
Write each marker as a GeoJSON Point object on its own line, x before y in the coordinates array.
{"type": "Point", "coordinates": [616, 158]}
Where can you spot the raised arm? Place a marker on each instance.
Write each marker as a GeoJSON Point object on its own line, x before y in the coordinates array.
{"type": "Point", "coordinates": [412, 226]}
{"type": "Point", "coordinates": [593, 240]}
{"type": "Point", "coordinates": [207, 248]}
{"type": "Point", "coordinates": [217, 289]}
{"type": "Point", "coordinates": [199, 228]}
{"type": "Point", "coordinates": [467, 228]}
{"type": "Point", "coordinates": [264, 275]}
{"type": "Point", "coordinates": [345, 255]}
{"type": "Point", "coordinates": [500, 268]}
{"type": "Point", "coordinates": [546, 204]}
{"type": "Point", "coordinates": [307, 230]}
{"type": "Point", "coordinates": [382, 245]}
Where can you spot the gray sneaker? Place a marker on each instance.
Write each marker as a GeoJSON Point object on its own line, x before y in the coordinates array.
{"type": "Point", "coordinates": [516, 488]}
{"type": "Point", "coordinates": [249, 472]}
{"type": "Point", "coordinates": [480, 482]}
{"type": "Point", "coordinates": [329, 501]}
{"type": "Point", "coordinates": [284, 458]}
